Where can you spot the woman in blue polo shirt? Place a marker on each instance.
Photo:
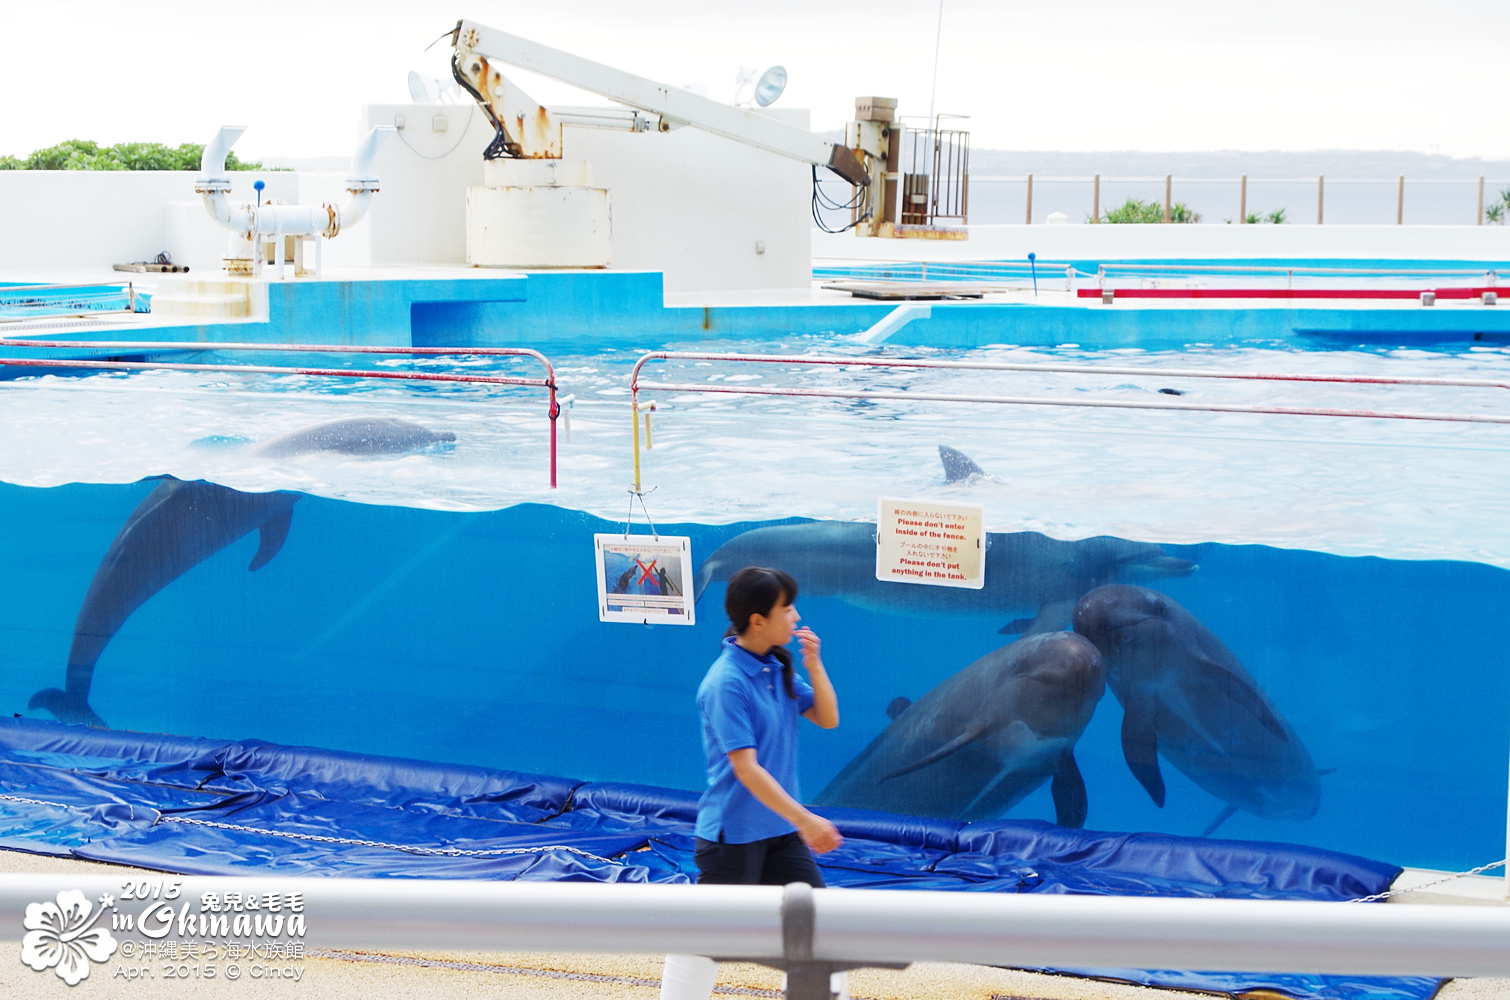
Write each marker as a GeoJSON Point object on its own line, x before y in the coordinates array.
{"type": "Point", "coordinates": [751, 828]}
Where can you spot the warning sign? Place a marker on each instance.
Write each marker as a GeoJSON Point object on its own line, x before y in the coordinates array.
{"type": "Point", "coordinates": [941, 544]}
{"type": "Point", "coordinates": [643, 579]}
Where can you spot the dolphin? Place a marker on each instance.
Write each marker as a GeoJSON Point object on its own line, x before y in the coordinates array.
{"type": "Point", "coordinates": [981, 741]}
{"type": "Point", "coordinates": [354, 436]}
{"type": "Point", "coordinates": [180, 524]}
{"type": "Point", "coordinates": [961, 468]}
{"type": "Point", "coordinates": [1186, 696]}
{"type": "Point", "coordinates": [1027, 573]}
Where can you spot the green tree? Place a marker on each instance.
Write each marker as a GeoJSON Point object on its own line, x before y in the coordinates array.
{"type": "Point", "coordinates": [84, 154]}
{"type": "Point", "coordinates": [1134, 210]}
{"type": "Point", "coordinates": [1494, 214]}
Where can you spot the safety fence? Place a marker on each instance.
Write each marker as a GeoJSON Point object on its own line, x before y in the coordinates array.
{"type": "Point", "coordinates": [813, 932]}
{"type": "Point", "coordinates": [19, 302]}
{"type": "Point", "coordinates": [637, 385]}
{"type": "Point", "coordinates": [548, 383]}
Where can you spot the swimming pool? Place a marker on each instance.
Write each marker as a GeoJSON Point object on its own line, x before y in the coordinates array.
{"type": "Point", "coordinates": [440, 604]}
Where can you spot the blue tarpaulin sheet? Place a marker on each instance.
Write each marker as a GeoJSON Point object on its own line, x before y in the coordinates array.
{"type": "Point", "coordinates": [221, 807]}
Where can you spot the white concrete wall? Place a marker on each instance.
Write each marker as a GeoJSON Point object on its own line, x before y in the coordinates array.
{"type": "Point", "coordinates": [687, 203]}
{"type": "Point", "coordinates": [67, 219]}
{"type": "Point", "coordinates": [420, 215]}
{"type": "Point", "coordinates": [1131, 242]}
{"type": "Point", "coordinates": [694, 205]}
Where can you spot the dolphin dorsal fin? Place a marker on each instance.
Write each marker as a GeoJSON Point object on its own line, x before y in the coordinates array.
{"type": "Point", "coordinates": [961, 741]}
{"type": "Point", "coordinates": [273, 533]}
{"type": "Point", "coordinates": [897, 707]}
{"type": "Point", "coordinates": [957, 465]}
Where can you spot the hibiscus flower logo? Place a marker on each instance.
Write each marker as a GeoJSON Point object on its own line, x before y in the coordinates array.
{"type": "Point", "coordinates": [61, 936]}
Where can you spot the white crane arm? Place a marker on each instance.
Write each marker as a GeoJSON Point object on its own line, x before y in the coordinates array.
{"type": "Point", "coordinates": [673, 105]}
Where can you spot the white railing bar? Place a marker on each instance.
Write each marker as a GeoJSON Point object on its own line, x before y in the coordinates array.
{"type": "Point", "coordinates": [1129, 404]}
{"type": "Point", "coordinates": [1183, 179]}
{"type": "Point", "coordinates": [873, 362]}
{"type": "Point", "coordinates": [23, 289]}
{"type": "Point", "coordinates": [1428, 271]}
{"type": "Point", "coordinates": [848, 927]}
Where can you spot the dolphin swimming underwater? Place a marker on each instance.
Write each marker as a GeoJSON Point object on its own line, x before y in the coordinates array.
{"type": "Point", "coordinates": [179, 525]}
{"type": "Point", "coordinates": [1186, 696]}
{"type": "Point", "coordinates": [354, 436]}
{"type": "Point", "coordinates": [1031, 576]}
{"type": "Point", "coordinates": [981, 741]}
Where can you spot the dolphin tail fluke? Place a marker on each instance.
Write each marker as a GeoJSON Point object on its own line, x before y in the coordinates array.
{"type": "Point", "coordinates": [961, 741]}
{"type": "Point", "coordinates": [272, 534]}
{"type": "Point", "coordinates": [704, 577]}
{"type": "Point", "coordinates": [1068, 789]}
{"type": "Point", "coordinates": [1221, 818]}
{"type": "Point", "coordinates": [67, 708]}
{"type": "Point", "coordinates": [1054, 616]}
{"type": "Point", "coordinates": [1140, 747]}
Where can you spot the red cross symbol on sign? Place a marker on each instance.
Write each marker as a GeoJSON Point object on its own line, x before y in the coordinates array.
{"type": "Point", "coordinates": [646, 572]}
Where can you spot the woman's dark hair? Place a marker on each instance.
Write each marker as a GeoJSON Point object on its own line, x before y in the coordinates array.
{"type": "Point", "coordinates": [757, 590]}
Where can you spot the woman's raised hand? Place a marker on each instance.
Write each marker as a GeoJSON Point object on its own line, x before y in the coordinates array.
{"type": "Point", "coordinates": [811, 647]}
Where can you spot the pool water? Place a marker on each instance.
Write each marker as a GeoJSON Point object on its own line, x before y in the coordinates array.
{"type": "Point", "coordinates": [440, 605]}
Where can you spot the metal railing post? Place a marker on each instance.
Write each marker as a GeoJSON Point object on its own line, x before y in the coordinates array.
{"type": "Point", "coordinates": [1478, 220]}
{"type": "Point", "coordinates": [1320, 196]}
{"type": "Point", "coordinates": [1029, 219]}
{"type": "Point", "coordinates": [1168, 189]}
{"type": "Point", "coordinates": [1242, 200]}
{"type": "Point", "coordinates": [1400, 202]}
{"type": "Point", "coordinates": [1096, 198]}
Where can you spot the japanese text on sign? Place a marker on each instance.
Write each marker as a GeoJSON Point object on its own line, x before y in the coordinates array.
{"type": "Point", "coordinates": [940, 544]}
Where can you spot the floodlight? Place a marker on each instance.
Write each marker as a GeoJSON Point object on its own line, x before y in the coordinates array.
{"type": "Point", "coordinates": [772, 83]}
{"type": "Point", "coordinates": [420, 89]}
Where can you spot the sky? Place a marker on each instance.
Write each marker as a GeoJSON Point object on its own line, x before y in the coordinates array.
{"type": "Point", "coordinates": [1170, 75]}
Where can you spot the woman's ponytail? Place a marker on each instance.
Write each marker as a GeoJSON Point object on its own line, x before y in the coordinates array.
{"type": "Point", "coordinates": [757, 590]}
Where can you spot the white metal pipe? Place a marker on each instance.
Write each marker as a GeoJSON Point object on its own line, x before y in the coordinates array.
{"type": "Point", "coordinates": [851, 925]}
{"type": "Point", "coordinates": [894, 321]}
{"type": "Point", "coordinates": [287, 220]}
{"type": "Point", "coordinates": [1139, 932]}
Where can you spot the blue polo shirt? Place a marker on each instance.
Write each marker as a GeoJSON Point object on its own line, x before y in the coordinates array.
{"type": "Point", "coordinates": [744, 703]}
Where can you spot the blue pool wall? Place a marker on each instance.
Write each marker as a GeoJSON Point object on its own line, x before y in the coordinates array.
{"type": "Point", "coordinates": [473, 638]}
{"type": "Point", "coordinates": [627, 309]}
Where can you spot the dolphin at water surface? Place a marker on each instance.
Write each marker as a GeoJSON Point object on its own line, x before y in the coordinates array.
{"type": "Point", "coordinates": [181, 524]}
{"type": "Point", "coordinates": [1027, 574]}
{"type": "Point", "coordinates": [983, 740]}
{"type": "Point", "coordinates": [1186, 696]}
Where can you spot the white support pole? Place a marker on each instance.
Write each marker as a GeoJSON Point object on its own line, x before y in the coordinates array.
{"type": "Point", "coordinates": [894, 321]}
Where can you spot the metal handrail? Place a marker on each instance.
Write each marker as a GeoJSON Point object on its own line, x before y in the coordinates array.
{"type": "Point", "coordinates": [802, 929]}
{"type": "Point", "coordinates": [126, 288]}
{"type": "Point", "coordinates": [636, 384]}
{"type": "Point", "coordinates": [553, 408]}
{"type": "Point", "coordinates": [1274, 269]}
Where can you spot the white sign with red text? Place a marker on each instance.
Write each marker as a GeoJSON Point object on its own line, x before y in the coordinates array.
{"type": "Point", "coordinates": [938, 544]}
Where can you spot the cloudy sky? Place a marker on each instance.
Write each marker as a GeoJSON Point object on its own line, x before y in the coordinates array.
{"type": "Point", "coordinates": [1093, 75]}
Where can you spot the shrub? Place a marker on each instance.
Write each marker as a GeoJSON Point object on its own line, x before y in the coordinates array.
{"type": "Point", "coordinates": [1135, 210]}
{"type": "Point", "coordinates": [83, 154]}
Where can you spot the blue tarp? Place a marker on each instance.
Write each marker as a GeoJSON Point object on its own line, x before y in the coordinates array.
{"type": "Point", "coordinates": [211, 807]}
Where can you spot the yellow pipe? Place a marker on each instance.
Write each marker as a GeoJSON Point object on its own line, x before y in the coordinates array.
{"type": "Point", "coordinates": [634, 418]}
{"type": "Point", "coordinates": [648, 444]}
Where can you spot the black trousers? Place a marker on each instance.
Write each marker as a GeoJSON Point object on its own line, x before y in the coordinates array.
{"type": "Point", "coordinates": [775, 861]}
